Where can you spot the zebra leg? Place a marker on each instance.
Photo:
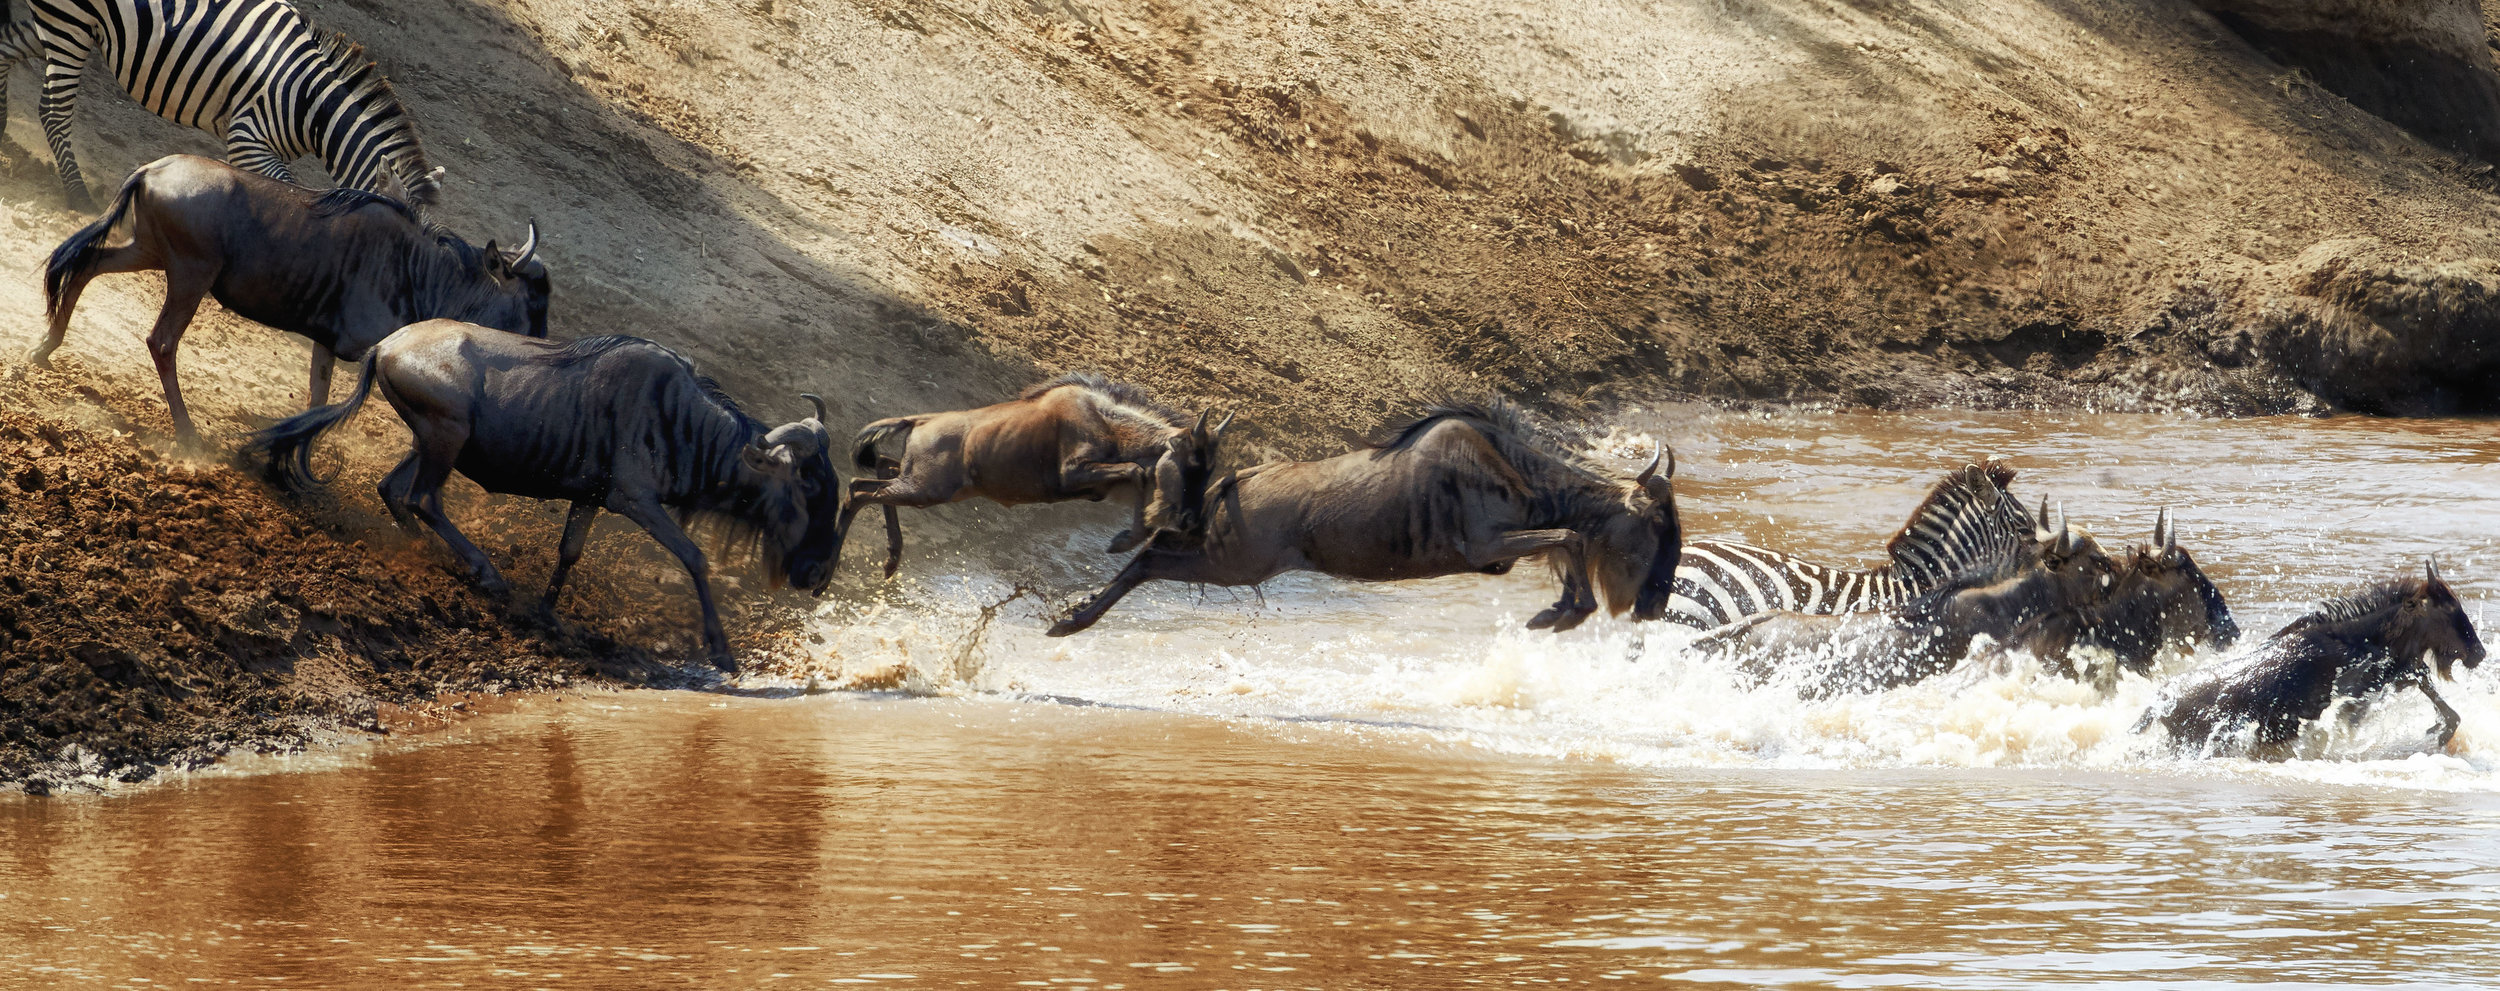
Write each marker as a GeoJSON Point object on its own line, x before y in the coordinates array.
{"type": "Point", "coordinates": [17, 44]}
{"type": "Point", "coordinates": [59, 105]}
{"type": "Point", "coordinates": [247, 150]}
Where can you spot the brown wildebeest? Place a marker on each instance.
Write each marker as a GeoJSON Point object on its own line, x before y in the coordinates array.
{"type": "Point", "coordinates": [2160, 601]}
{"type": "Point", "coordinates": [1465, 489]}
{"type": "Point", "coordinates": [615, 423]}
{"type": "Point", "coordinates": [343, 267]}
{"type": "Point", "coordinates": [2357, 648]}
{"type": "Point", "coordinates": [1078, 436]}
{"type": "Point", "coordinates": [1864, 652]}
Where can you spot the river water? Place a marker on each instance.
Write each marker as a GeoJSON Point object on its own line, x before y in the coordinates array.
{"type": "Point", "coordinates": [1322, 785]}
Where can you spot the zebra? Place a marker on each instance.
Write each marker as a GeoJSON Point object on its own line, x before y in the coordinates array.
{"type": "Point", "coordinates": [253, 71]}
{"type": "Point", "coordinates": [1967, 521]}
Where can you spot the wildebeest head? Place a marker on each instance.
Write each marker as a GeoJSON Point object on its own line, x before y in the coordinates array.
{"type": "Point", "coordinates": [1637, 550]}
{"type": "Point", "coordinates": [2431, 620]}
{"type": "Point", "coordinates": [2165, 561]}
{"type": "Point", "coordinates": [1179, 500]}
{"type": "Point", "coordinates": [516, 289]}
{"type": "Point", "coordinates": [796, 513]}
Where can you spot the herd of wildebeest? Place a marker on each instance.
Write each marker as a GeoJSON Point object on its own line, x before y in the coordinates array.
{"type": "Point", "coordinates": [454, 338]}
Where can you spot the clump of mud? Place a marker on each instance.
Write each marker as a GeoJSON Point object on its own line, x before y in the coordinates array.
{"type": "Point", "coordinates": [157, 611]}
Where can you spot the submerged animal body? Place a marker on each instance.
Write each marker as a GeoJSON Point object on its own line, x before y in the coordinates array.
{"type": "Point", "coordinates": [1967, 526]}
{"type": "Point", "coordinates": [1465, 489]}
{"type": "Point", "coordinates": [615, 423]}
{"type": "Point", "coordinates": [2161, 601]}
{"type": "Point", "coordinates": [1825, 654]}
{"type": "Point", "coordinates": [1078, 436]}
{"type": "Point", "coordinates": [2387, 637]}
{"type": "Point", "coordinates": [344, 268]}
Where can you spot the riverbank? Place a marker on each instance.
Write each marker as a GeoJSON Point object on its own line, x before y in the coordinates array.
{"type": "Point", "coordinates": [158, 611]}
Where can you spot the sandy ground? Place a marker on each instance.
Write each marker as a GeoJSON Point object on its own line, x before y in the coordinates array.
{"type": "Point", "coordinates": [1318, 213]}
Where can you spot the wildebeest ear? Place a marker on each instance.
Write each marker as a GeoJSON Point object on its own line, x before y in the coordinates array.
{"type": "Point", "coordinates": [496, 264]}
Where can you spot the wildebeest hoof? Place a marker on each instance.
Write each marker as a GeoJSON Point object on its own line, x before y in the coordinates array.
{"type": "Point", "coordinates": [725, 662]}
{"type": "Point", "coordinates": [1124, 542]}
{"type": "Point", "coordinates": [1066, 627]}
{"type": "Point", "coordinates": [1558, 619]}
{"type": "Point", "coordinates": [493, 586]}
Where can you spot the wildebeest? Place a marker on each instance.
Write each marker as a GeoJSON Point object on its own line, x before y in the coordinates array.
{"type": "Point", "coordinates": [2159, 601]}
{"type": "Point", "coordinates": [618, 423]}
{"type": "Point", "coordinates": [2356, 648]}
{"type": "Point", "coordinates": [342, 267]}
{"type": "Point", "coordinates": [1862, 652]}
{"type": "Point", "coordinates": [1468, 488]}
{"type": "Point", "coordinates": [1078, 436]}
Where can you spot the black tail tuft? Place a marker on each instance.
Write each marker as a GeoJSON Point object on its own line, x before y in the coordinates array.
{"type": "Point", "coordinates": [78, 253]}
{"type": "Point", "coordinates": [288, 443]}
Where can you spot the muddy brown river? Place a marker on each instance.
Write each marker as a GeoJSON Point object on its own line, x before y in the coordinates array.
{"type": "Point", "coordinates": [1322, 785]}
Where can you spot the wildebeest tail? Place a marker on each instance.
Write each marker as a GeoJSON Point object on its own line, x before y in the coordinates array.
{"type": "Point", "coordinates": [78, 253]}
{"type": "Point", "coordinates": [864, 446]}
{"type": "Point", "coordinates": [288, 443]}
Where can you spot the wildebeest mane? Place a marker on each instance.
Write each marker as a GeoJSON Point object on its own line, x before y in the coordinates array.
{"type": "Point", "coordinates": [340, 200]}
{"type": "Point", "coordinates": [1123, 393]}
{"type": "Point", "coordinates": [2361, 604]}
{"type": "Point", "coordinates": [1548, 455]}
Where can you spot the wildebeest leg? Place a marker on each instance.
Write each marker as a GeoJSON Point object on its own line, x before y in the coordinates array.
{"type": "Point", "coordinates": [108, 261]}
{"type": "Point", "coordinates": [58, 105]}
{"type": "Point", "coordinates": [1089, 611]}
{"type": "Point", "coordinates": [438, 446]}
{"type": "Point", "coordinates": [1578, 600]}
{"type": "Point", "coordinates": [2447, 717]}
{"type": "Point", "coordinates": [656, 521]}
{"type": "Point", "coordinates": [576, 533]}
{"type": "Point", "coordinates": [322, 362]}
{"type": "Point", "coordinates": [185, 286]}
{"type": "Point", "coordinates": [1105, 475]}
{"type": "Point", "coordinates": [394, 489]}
{"type": "Point", "coordinates": [889, 493]}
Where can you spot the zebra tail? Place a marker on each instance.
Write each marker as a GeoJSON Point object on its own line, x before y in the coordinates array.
{"type": "Point", "coordinates": [78, 254]}
{"type": "Point", "coordinates": [288, 443]}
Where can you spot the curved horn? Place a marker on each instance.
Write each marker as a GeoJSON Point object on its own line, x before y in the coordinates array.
{"type": "Point", "coordinates": [820, 405]}
{"type": "Point", "coordinates": [2430, 570]}
{"type": "Point", "coordinates": [2169, 532]}
{"type": "Point", "coordinates": [2040, 528]}
{"type": "Point", "coordinates": [1202, 420]}
{"type": "Point", "coordinates": [2161, 529]}
{"type": "Point", "coordinates": [2065, 536]}
{"type": "Point", "coordinates": [529, 248]}
{"type": "Point", "coordinates": [1670, 459]}
{"type": "Point", "coordinates": [1642, 479]}
{"type": "Point", "coordinates": [1227, 422]}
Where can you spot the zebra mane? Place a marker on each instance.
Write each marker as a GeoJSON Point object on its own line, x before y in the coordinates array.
{"type": "Point", "coordinates": [1122, 393]}
{"type": "Point", "coordinates": [359, 74]}
{"type": "Point", "coordinates": [1967, 523]}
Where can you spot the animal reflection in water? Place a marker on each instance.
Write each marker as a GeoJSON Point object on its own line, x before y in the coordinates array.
{"type": "Point", "coordinates": [2066, 599]}
{"type": "Point", "coordinates": [2353, 650]}
{"type": "Point", "coordinates": [1465, 489]}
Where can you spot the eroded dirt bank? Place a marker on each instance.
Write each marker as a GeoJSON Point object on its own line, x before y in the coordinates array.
{"type": "Point", "coordinates": [1315, 213]}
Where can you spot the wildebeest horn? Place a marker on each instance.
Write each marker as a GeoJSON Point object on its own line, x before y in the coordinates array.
{"type": "Point", "coordinates": [2065, 536]}
{"type": "Point", "coordinates": [2430, 570]}
{"type": "Point", "coordinates": [2040, 529]}
{"type": "Point", "coordinates": [2161, 529]}
{"type": "Point", "coordinates": [794, 435]}
{"type": "Point", "coordinates": [529, 248]}
{"type": "Point", "coordinates": [1224, 424]}
{"type": "Point", "coordinates": [820, 405]}
{"type": "Point", "coordinates": [1659, 486]}
{"type": "Point", "coordinates": [1642, 479]}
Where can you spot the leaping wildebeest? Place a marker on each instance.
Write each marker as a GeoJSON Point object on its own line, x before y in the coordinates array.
{"type": "Point", "coordinates": [1465, 489]}
{"type": "Point", "coordinates": [2160, 601]}
{"type": "Point", "coordinates": [2358, 648]}
{"type": "Point", "coordinates": [615, 423]}
{"type": "Point", "coordinates": [1078, 436]}
{"type": "Point", "coordinates": [344, 267]}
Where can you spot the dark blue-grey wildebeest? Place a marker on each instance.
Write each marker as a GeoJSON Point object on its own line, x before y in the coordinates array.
{"type": "Point", "coordinates": [1466, 489]}
{"type": "Point", "coordinates": [615, 423]}
{"type": "Point", "coordinates": [1078, 436]}
{"type": "Point", "coordinates": [2357, 648]}
{"type": "Point", "coordinates": [344, 268]}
